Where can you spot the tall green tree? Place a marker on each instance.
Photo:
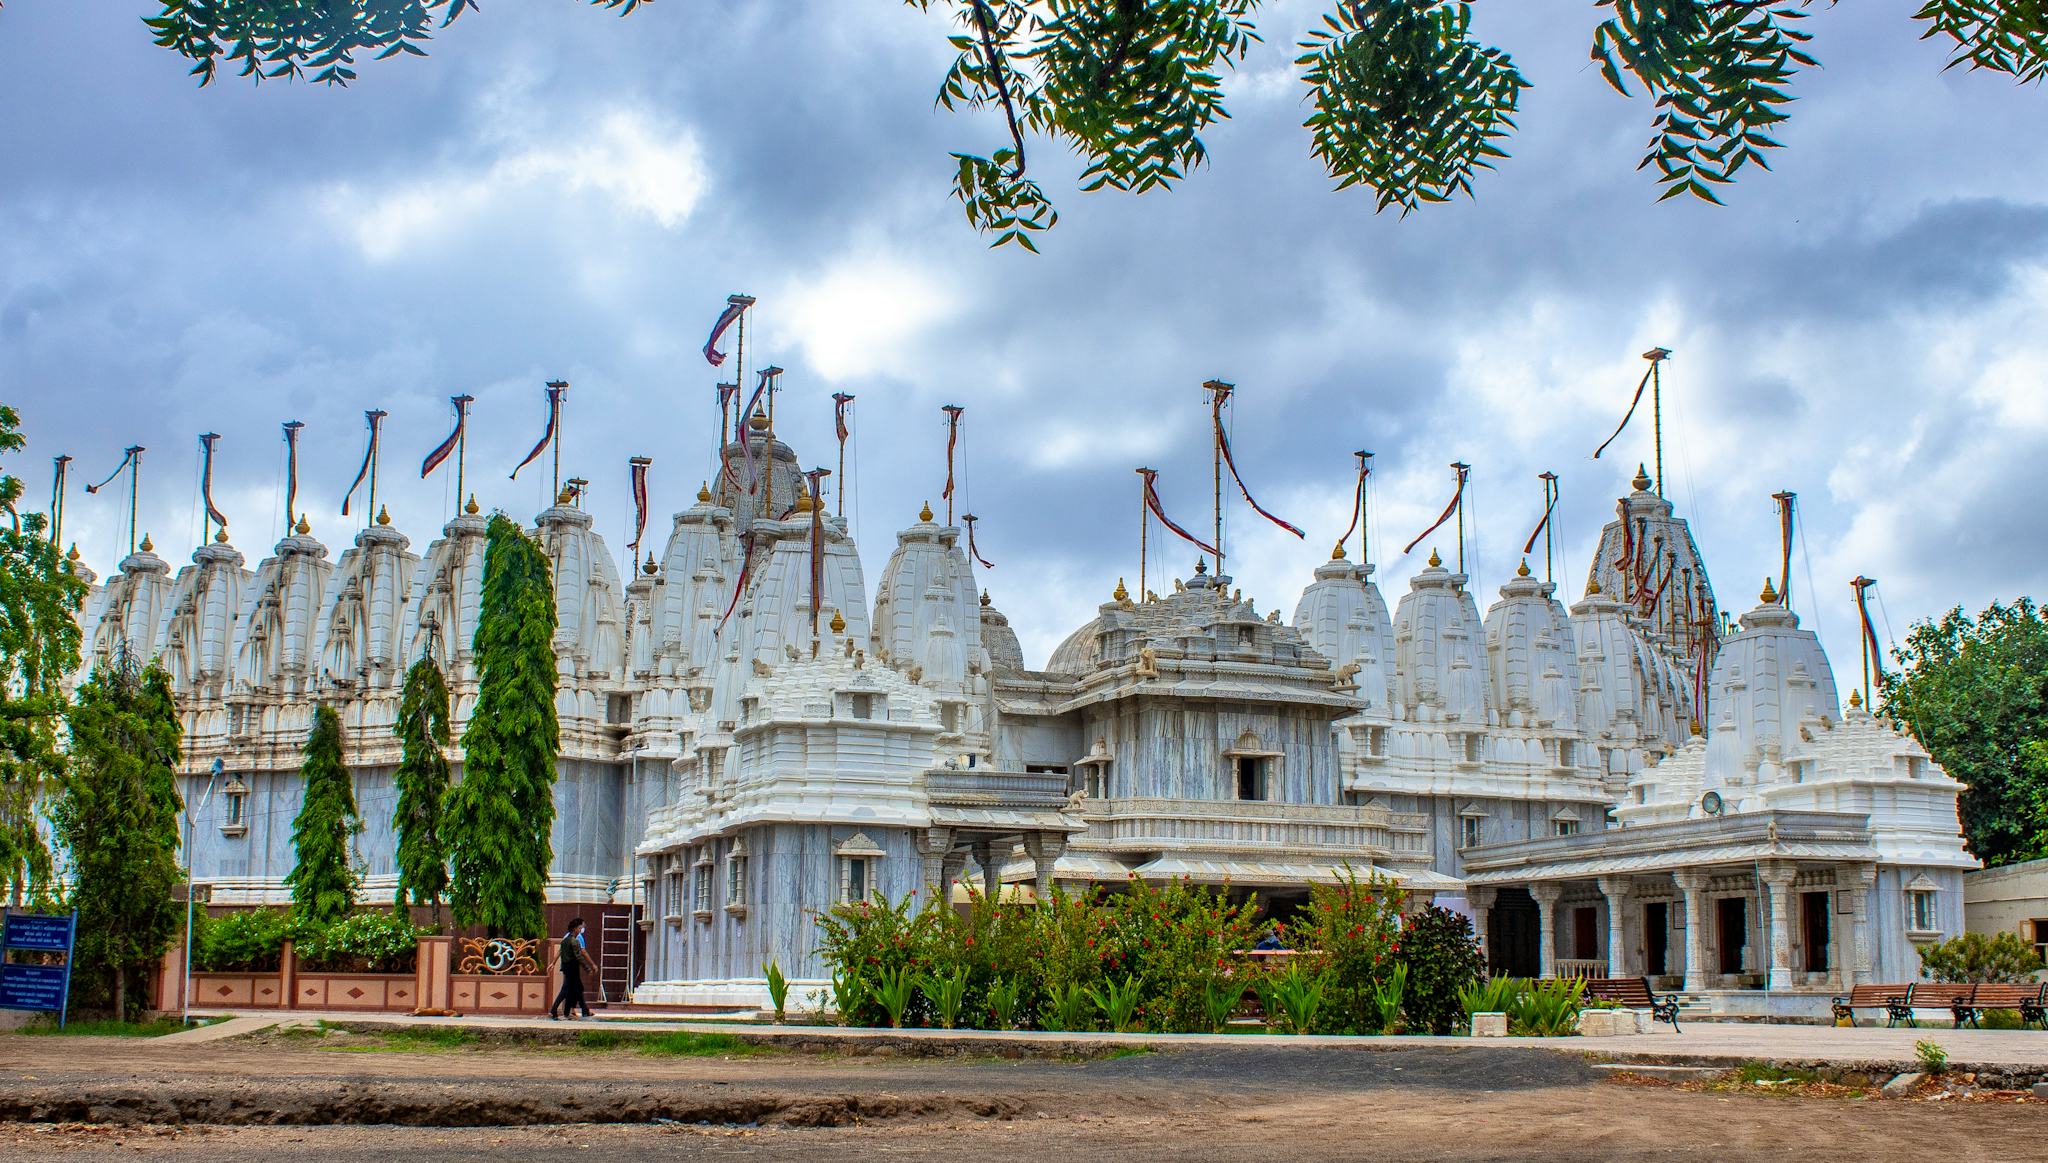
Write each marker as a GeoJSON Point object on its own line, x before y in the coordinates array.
{"type": "Point", "coordinates": [39, 643]}
{"type": "Point", "coordinates": [1404, 99]}
{"type": "Point", "coordinates": [501, 817]}
{"type": "Point", "coordinates": [323, 882]}
{"type": "Point", "coordinates": [422, 779]}
{"type": "Point", "coordinates": [1975, 692]}
{"type": "Point", "coordinates": [117, 817]}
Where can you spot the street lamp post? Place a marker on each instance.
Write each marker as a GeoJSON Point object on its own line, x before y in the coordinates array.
{"type": "Point", "coordinates": [191, 829]}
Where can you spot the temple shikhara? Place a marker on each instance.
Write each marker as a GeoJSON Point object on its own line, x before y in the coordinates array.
{"type": "Point", "coordinates": [753, 730]}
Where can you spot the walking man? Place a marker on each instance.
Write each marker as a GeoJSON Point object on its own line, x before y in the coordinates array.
{"type": "Point", "coordinates": [575, 960]}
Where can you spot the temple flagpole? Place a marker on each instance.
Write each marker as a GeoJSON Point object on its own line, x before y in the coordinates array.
{"type": "Point", "coordinates": [62, 465]}
{"type": "Point", "coordinates": [1144, 529]}
{"type": "Point", "coordinates": [1219, 395]}
{"type": "Point", "coordinates": [1462, 470]}
{"type": "Point", "coordinates": [1657, 356]}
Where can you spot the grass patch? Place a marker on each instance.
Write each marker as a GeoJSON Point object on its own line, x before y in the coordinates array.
{"type": "Point", "coordinates": [691, 1044]}
{"type": "Point", "coordinates": [108, 1028]}
{"type": "Point", "coordinates": [600, 1040]}
{"type": "Point", "coordinates": [422, 1039]}
{"type": "Point", "coordinates": [1767, 1074]}
{"type": "Point", "coordinates": [1128, 1052]}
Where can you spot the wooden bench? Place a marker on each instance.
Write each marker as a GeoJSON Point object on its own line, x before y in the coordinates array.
{"type": "Point", "coordinates": [1894, 1000]}
{"type": "Point", "coordinates": [1957, 997]}
{"type": "Point", "coordinates": [2030, 1000]}
{"type": "Point", "coordinates": [1633, 993]}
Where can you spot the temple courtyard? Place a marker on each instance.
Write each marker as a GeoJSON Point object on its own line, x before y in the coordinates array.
{"type": "Point", "coordinates": [431, 1089]}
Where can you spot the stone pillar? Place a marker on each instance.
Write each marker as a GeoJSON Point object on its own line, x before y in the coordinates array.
{"type": "Point", "coordinates": [1044, 848]}
{"type": "Point", "coordinates": [1481, 902]}
{"type": "Point", "coordinates": [985, 857]}
{"type": "Point", "coordinates": [1615, 889]}
{"type": "Point", "coordinates": [431, 969]}
{"type": "Point", "coordinates": [933, 844]}
{"type": "Point", "coordinates": [951, 865]}
{"type": "Point", "coordinates": [1694, 885]}
{"type": "Point", "coordinates": [288, 974]}
{"type": "Point", "coordinates": [1856, 881]}
{"type": "Point", "coordinates": [1777, 882]}
{"type": "Point", "coordinates": [1546, 942]}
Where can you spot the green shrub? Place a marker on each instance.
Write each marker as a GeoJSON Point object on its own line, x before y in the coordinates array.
{"type": "Point", "coordinates": [1117, 998]}
{"type": "Point", "coordinates": [600, 1039]}
{"type": "Point", "coordinates": [1069, 1007]}
{"type": "Point", "coordinates": [778, 987]}
{"type": "Point", "coordinates": [245, 940]}
{"type": "Point", "coordinates": [1491, 995]}
{"type": "Point", "coordinates": [1170, 943]}
{"type": "Point", "coordinates": [689, 1044]}
{"type": "Point", "coordinates": [894, 989]}
{"type": "Point", "coordinates": [2002, 957]}
{"type": "Point", "coordinates": [1386, 995]}
{"type": "Point", "coordinates": [2001, 1020]}
{"type": "Point", "coordinates": [1442, 955]}
{"type": "Point", "coordinates": [1002, 1003]}
{"type": "Point", "coordinates": [1294, 1000]}
{"type": "Point", "coordinates": [1933, 1059]}
{"type": "Point", "coordinates": [877, 946]}
{"type": "Point", "coordinates": [1349, 938]}
{"type": "Point", "coordinates": [848, 996]}
{"type": "Point", "coordinates": [1548, 1008]}
{"type": "Point", "coordinates": [944, 990]}
{"type": "Point", "coordinates": [377, 941]}
{"type": "Point", "coordinates": [1221, 1001]}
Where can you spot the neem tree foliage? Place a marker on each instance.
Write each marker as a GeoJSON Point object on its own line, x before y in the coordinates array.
{"type": "Point", "coordinates": [422, 779]}
{"type": "Point", "coordinates": [1404, 100]}
{"type": "Point", "coordinates": [323, 883]}
{"type": "Point", "coordinates": [117, 817]}
{"type": "Point", "coordinates": [502, 815]}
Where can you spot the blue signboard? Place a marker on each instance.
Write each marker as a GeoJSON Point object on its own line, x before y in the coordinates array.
{"type": "Point", "coordinates": [37, 987]}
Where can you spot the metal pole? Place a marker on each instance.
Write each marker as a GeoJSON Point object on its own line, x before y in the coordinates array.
{"type": "Point", "coordinates": [1461, 468]}
{"type": "Point", "coordinates": [134, 496]}
{"type": "Point", "coordinates": [1219, 394]}
{"type": "Point", "coordinates": [57, 502]}
{"type": "Point", "coordinates": [563, 385]}
{"type": "Point", "coordinates": [1144, 527]}
{"type": "Point", "coordinates": [1364, 515]}
{"type": "Point", "coordinates": [461, 448]}
{"type": "Point", "coordinates": [1657, 356]}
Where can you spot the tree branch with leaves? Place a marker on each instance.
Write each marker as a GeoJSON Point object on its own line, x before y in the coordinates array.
{"type": "Point", "coordinates": [1404, 100]}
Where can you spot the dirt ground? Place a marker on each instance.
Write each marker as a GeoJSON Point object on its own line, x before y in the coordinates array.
{"type": "Point", "coordinates": [81, 1098]}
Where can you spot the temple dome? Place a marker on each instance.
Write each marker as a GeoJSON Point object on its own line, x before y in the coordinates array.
{"type": "Point", "coordinates": [1343, 617]}
{"type": "Point", "coordinates": [1439, 668]}
{"type": "Point", "coordinates": [1767, 681]}
{"type": "Point", "coordinates": [1532, 657]}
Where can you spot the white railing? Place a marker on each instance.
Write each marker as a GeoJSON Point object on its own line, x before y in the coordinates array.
{"type": "Point", "coordinates": [1332, 829]}
{"type": "Point", "coordinates": [1581, 967]}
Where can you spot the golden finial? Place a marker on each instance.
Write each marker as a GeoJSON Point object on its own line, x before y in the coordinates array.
{"type": "Point", "coordinates": [838, 622]}
{"type": "Point", "coordinates": [1434, 560]}
{"type": "Point", "coordinates": [73, 555]}
{"type": "Point", "coordinates": [1642, 481]}
{"type": "Point", "coordinates": [1770, 595]}
{"type": "Point", "coordinates": [1121, 594]}
{"type": "Point", "coordinates": [1523, 569]}
{"type": "Point", "coordinates": [1697, 729]}
{"type": "Point", "coordinates": [1855, 700]}
{"type": "Point", "coordinates": [704, 493]}
{"type": "Point", "coordinates": [984, 599]}
{"type": "Point", "coordinates": [925, 514]}
{"type": "Point", "coordinates": [1337, 554]}
{"type": "Point", "coordinates": [650, 568]}
{"type": "Point", "coordinates": [304, 526]}
{"type": "Point", "coordinates": [472, 508]}
{"type": "Point", "coordinates": [221, 538]}
{"type": "Point", "coordinates": [1201, 566]}
{"type": "Point", "coordinates": [146, 546]}
{"type": "Point", "coordinates": [803, 503]}
{"type": "Point", "coordinates": [567, 494]}
{"type": "Point", "coordinates": [383, 515]}
{"type": "Point", "coordinates": [1593, 588]}
{"type": "Point", "coordinates": [759, 420]}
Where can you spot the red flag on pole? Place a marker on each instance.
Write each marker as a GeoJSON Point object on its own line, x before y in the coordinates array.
{"type": "Point", "coordinates": [376, 422]}
{"type": "Point", "coordinates": [1449, 509]}
{"type": "Point", "coordinates": [547, 437]}
{"type": "Point", "coordinates": [1151, 476]}
{"type": "Point", "coordinates": [447, 447]}
{"type": "Point", "coordinates": [638, 469]}
{"type": "Point", "coordinates": [1223, 444]}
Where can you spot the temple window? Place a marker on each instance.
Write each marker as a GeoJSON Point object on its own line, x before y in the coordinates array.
{"type": "Point", "coordinates": [1567, 753]}
{"type": "Point", "coordinates": [861, 706]}
{"type": "Point", "coordinates": [1472, 745]}
{"type": "Point", "coordinates": [736, 877]}
{"type": "Point", "coordinates": [859, 864]}
{"type": "Point", "coordinates": [1923, 914]}
{"type": "Point", "coordinates": [1251, 778]}
{"type": "Point", "coordinates": [1567, 827]}
{"type": "Point", "coordinates": [234, 808]}
{"type": "Point", "coordinates": [618, 709]}
{"type": "Point", "coordinates": [1376, 741]}
{"type": "Point", "coordinates": [1469, 830]}
{"type": "Point", "coordinates": [701, 886]}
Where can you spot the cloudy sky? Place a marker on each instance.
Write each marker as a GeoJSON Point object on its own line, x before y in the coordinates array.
{"type": "Point", "coordinates": [562, 193]}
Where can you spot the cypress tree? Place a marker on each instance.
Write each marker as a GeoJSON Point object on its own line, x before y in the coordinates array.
{"type": "Point", "coordinates": [118, 818]}
{"type": "Point", "coordinates": [323, 885]}
{"type": "Point", "coordinates": [501, 816]}
{"type": "Point", "coordinates": [422, 779]}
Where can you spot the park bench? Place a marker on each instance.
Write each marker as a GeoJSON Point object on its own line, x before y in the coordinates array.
{"type": "Point", "coordinates": [1634, 993]}
{"type": "Point", "coordinates": [1894, 1000]}
{"type": "Point", "coordinates": [1957, 997]}
{"type": "Point", "coordinates": [2030, 1000]}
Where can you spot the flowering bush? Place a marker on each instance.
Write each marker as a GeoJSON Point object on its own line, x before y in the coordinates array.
{"type": "Point", "coordinates": [873, 945]}
{"type": "Point", "coordinates": [376, 941]}
{"type": "Point", "coordinates": [1349, 936]}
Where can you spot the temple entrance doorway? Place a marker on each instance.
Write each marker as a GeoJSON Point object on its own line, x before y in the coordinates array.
{"type": "Point", "coordinates": [1731, 931]}
{"type": "Point", "coordinates": [1813, 930]}
{"type": "Point", "coordinates": [1514, 929]}
{"type": "Point", "coordinates": [1657, 938]}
